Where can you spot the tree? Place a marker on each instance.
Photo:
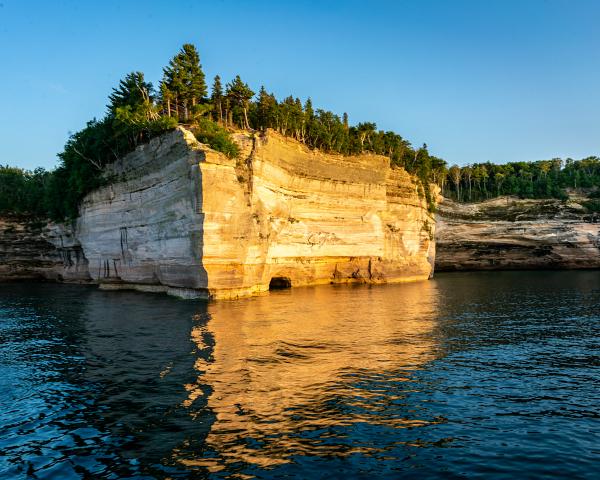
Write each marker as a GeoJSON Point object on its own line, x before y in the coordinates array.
{"type": "Point", "coordinates": [455, 176]}
{"type": "Point", "coordinates": [217, 98]}
{"type": "Point", "coordinates": [467, 172]}
{"type": "Point", "coordinates": [266, 110]}
{"type": "Point", "coordinates": [183, 83]}
{"type": "Point", "coordinates": [365, 131]}
{"type": "Point", "coordinates": [239, 95]}
{"type": "Point", "coordinates": [132, 91]}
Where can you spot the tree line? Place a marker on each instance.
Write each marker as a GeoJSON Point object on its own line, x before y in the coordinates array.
{"type": "Point", "coordinates": [539, 179]}
{"type": "Point", "coordinates": [137, 112]}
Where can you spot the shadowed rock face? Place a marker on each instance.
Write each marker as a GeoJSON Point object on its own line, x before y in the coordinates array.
{"type": "Point", "coordinates": [32, 249]}
{"type": "Point", "coordinates": [24, 254]}
{"type": "Point", "coordinates": [508, 233]}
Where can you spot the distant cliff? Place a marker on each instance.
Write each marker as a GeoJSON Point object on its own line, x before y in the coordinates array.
{"type": "Point", "coordinates": [33, 249]}
{"type": "Point", "coordinates": [179, 217]}
{"type": "Point", "coordinates": [509, 233]}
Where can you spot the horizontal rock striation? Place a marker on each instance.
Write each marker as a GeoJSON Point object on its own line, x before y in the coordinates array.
{"type": "Point", "coordinates": [179, 217]}
{"type": "Point", "coordinates": [509, 233]}
{"type": "Point", "coordinates": [31, 249]}
{"type": "Point", "coordinates": [292, 215]}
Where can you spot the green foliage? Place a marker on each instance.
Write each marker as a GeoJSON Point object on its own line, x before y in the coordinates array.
{"type": "Point", "coordinates": [132, 119]}
{"type": "Point", "coordinates": [238, 95]}
{"type": "Point", "coordinates": [132, 91]}
{"type": "Point", "coordinates": [216, 99]}
{"type": "Point", "coordinates": [541, 179]}
{"type": "Point", "coordinates": [21, 191]}
{"type": "Point", "coordinates": [215, 136]}
{"type": "Point", "coordinates": [135, 114]}
{"type": "Point", "coordinates": [594, 194]}
{"type": "Point", "coordinates": [183, 85]}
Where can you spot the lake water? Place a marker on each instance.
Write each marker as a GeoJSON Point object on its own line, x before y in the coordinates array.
{"type": "Point", "coordinates": [479, 374]}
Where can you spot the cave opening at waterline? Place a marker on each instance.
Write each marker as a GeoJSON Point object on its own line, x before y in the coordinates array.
{"type": "Point", "coordinates": [280, 283]}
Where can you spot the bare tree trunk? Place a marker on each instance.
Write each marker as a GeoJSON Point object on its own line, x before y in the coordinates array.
{"type": "Point", "coordinates": [246, 119]}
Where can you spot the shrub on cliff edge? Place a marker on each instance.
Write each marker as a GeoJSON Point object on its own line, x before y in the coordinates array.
{"type": "Point", "coordinates": [216, 137]}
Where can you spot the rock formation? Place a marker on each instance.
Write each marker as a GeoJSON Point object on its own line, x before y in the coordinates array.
{"type": "Point", "coordinates": [176, 216]}
{"type": "Point", "coordinates": [508, 233]}
{"type": "Point", "coordinates": [31, 249]}
{"type": "Point", "coordinates": [24, 253]}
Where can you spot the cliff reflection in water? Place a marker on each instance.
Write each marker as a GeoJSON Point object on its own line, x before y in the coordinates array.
{"type": "Point", "coordinates": [291, 371]}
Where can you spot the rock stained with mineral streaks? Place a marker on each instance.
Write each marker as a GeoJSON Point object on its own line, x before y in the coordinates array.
{"type": "Point", "coordinates": [32, 249]}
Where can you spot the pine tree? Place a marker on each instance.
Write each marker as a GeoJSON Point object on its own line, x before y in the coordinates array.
{"type": "Point", "coordinates": [217, 99]}
{"type": "Point", "coordinates": [166, 98]}
{"type": "Point", "coordinates": [183, 82]}
{"type": "Point", "coordinates": [193, 76]}
{"type": "Point", "coordinates": [365, 131]}
{"type": "Point", "coordinates": [266, 110]}
{"type": "Point", "coordinates": [240, 94]}
{"type": "Point", "coordinates": [309, 115]}
{"type": "Point", "coordinates": [132, 91]}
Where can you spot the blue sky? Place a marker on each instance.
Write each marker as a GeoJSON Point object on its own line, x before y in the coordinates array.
{"type": "Point", "coordinates": [479, 80]}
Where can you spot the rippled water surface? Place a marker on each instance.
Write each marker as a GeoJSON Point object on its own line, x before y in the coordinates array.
{"type": "Point", "coordinates": [482, 374]}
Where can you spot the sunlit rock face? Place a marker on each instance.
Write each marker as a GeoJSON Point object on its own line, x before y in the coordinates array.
{"type": "Point", "coordinates": [182, 218]}
{"type": "Point", "coordinates": [508, 233]}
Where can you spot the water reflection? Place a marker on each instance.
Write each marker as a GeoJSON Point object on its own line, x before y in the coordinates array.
{"type": "Point", "coordinates": [466, 375]}
{"type": "Point", "coordinates": [290, 371]}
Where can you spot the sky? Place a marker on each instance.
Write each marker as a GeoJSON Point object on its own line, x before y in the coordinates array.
{"type": "Point", "coordinates": [477, 80]}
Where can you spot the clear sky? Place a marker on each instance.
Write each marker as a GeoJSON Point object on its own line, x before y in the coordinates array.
{"type": "Point", "coordinates": [479, 80]}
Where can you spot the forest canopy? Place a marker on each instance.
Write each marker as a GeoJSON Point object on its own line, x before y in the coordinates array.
{"type": "Point", "coordinates": [539, 179]}
{"type": "Point", "coordinates": [137, 112]}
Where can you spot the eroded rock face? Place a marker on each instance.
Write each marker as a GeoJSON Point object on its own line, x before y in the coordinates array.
{"type": "Point", "coordinates": [33, 249]}
{"type": "Point", "coordinates": [508, 233]}
{"type": "Point", "coordinates": [289, 214]}
{"type": "Point", "coordinates": [182, 218]}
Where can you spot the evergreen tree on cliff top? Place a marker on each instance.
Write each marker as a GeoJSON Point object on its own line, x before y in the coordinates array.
{"type": "Point", "coordinates": [265, 113]}
{"type": "Point", "coordinates": [217, 99]}
{"type": "Point", "coordinates": [239, 95]}
{"type": "Point", "coordinates": [183, 85]}
{"type": "Point", "coordinates": [132, 91]}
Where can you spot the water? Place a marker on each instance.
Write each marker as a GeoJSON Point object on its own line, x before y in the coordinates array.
{"type": "Point", "coordinates": [481, 374]}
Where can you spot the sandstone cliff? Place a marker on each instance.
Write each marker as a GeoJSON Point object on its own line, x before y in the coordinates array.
{"type": "Point", "coordinates": [508, 233]}
{"type": "Point", "coordinates": [179, 217]}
